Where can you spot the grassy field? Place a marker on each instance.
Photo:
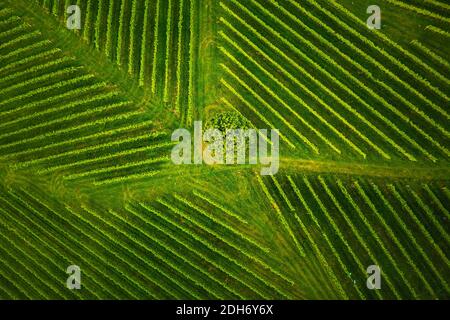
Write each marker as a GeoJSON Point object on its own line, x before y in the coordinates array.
{"type": "Point", "coordinates": [86, 118]}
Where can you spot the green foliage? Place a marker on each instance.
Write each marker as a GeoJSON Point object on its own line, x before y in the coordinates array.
{"type": "Point", "coordinates": [227, 120]}
{"type": "Point", "coordinates": [85, 171]}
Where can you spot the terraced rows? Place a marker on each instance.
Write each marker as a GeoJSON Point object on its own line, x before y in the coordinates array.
{"type": "Point", "coordinates": [336, 90]}
{"type": "Point", "coordinates": [57, 117]}
{"type": "Point", "coordinates": [403, 227]}
{"type": "Point", "coordinates": [317, 78]}
{"type": "Point", "coordinates": [141, 251]}
{"type": "Point", "coordinates": [434, 59]}
{"type": "Point", "coordinates": [191, 246]}
{"type": "Point", "coordinates": [437, 10]}
{"type": "Point", "coordinates": [156, 41]}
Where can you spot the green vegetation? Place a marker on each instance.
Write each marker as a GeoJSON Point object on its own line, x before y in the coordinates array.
{"type": "Point", "coordinates": [86, 118]}
{"type": "Point", "coordinates": [229, 120]}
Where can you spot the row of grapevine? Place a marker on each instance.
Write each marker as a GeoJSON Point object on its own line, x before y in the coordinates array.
{"type": "Point", "coordinates": [212, 259]}
{"type": "Point", "coordinates": [126, 267]}
{"type": "Point", "coordinates": [226, 243]}
{"type": "Point", "coordinates": [369, 123]}
{"type": "Point", "coordinates": [36, 231]}
{"type": "Point", "coordinates": [301, 70]}
{"type": "Point", "coordinates": [360, 99]}
{"type": "Point", "coordinates": [197, 269]}
{"type": "Point", "coordinates": [299, 100]}
{"type": "Point", "coordinates": [433, 58]}
{"type": "Point", "coordinates": [154, 41]}
{"type": "Point", "coordinates": [398, 63]}
{"type": "Point", "coordinates": [267, 236]}
{"type": "Point", "coordinates": [348, 91]}
{"type": "Point", "coordinates": [402, 228]}
{"type": "Point", "coordinates": [430, 8]}
{"type": "Point", "coordinates": [58, 117]}
{"type": "Point", "coordinates": [405, 62]}
{"type": "Point", "coordinates": [132, 252]}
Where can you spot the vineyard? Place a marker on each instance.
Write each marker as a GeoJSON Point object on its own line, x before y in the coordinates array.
{"type": "Point", "coordinates": [86, 178]}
